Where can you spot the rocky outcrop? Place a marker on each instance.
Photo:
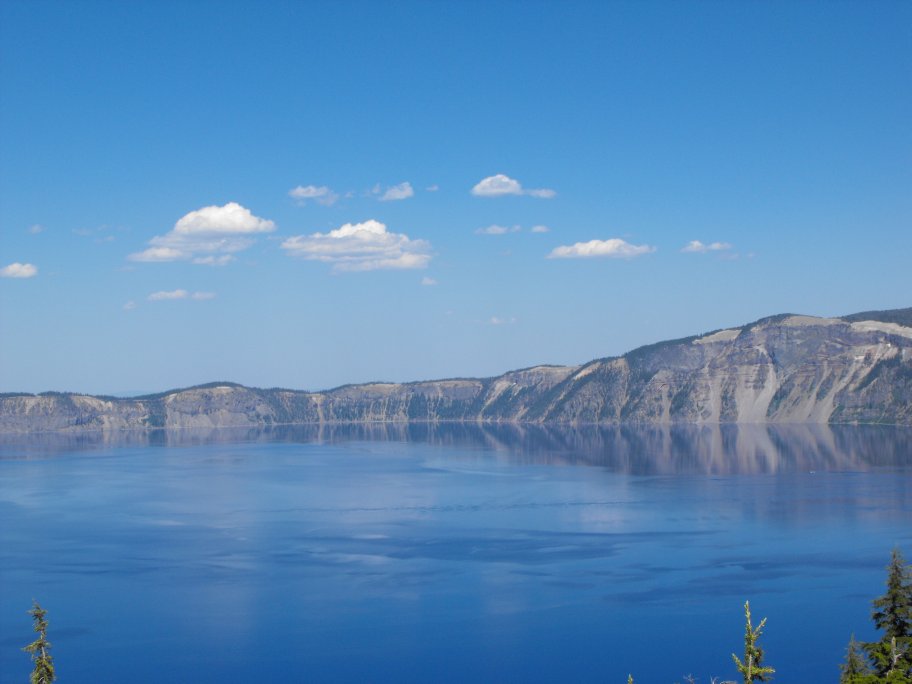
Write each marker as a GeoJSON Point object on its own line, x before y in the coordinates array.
{"type": "Point", "coordinates": [784, 369]}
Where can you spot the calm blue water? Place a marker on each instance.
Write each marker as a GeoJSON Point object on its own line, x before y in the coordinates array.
{"type": "Point", "coordinates": [455, 554]}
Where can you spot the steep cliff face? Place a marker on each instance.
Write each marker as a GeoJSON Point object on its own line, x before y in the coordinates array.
{"type": "Point", "coordinates": [793, 369]}
{"type": "Point", "coordinates": [785, 369]}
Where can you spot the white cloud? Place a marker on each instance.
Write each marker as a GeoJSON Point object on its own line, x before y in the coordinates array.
{"type": "Point", "coordinates": [497, 230]}
{"type": "Point", "coordinates": [129, 306]}
{"type": "Point", "coordinates": [433, 188]}
{"type": "Point", "coordinates": [207, 232]}
{"type": "Point", "coordinates": [210, 260]}
{"type": "Point", "coordinates": [164, 295]}
{"type": "Point", "coordinates": [17, 270]}
{"type": "Point", "coordinates": [318, 193]}
{"type": "Point", "coordinates": [231, 219]}
{"type": "Point", "coordinates": [541, 229]}
{"type": "Point", "coordinates": [615, 248]}
{"type": "Point", "coordinates": [428, 281]}
{"type": "Point", "coordinates": [158, 254]}
{"type": "Point", "coordinates": [695, 246]}
{"type": "Point", "coordinates": [398, 192]}
{"type": "Point", "coordinates": [36, 228]}
{"type": "Point", "coordinates": [363, 246]}
{"type": "Point", "coordinates": [496, 320]}
{"type": "Point", "coordinates": [499, 185]}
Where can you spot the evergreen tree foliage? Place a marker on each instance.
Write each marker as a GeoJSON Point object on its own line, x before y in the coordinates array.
{"type": "Point", "coordinates": [752, 669]}
{"type": "Point", "coordinates": [891, 657]}
{"type": "Point", "coordinates": [893, 611]}
{"type": "Point", "coordinates": [855, 668]}
{"type": "Point", "coordinates": [43, 672]}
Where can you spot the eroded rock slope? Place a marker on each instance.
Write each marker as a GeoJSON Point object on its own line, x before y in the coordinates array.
{"type": "Point", "coordinates": [784, 369]}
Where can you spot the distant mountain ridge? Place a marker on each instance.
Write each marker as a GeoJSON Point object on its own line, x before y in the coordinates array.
{"type": "Point", "coordinates": [781, 369]}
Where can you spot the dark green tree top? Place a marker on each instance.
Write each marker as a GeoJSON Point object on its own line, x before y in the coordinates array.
{"type": "Point", "coordinates": [893, 611]}
{"type": "Point", "coordinates": [891, 657]}
{"type": "Point", "coordinates": [855, 668]}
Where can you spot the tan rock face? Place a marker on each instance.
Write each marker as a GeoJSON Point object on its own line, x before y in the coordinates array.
{"type": "Point", "coordinates": [792, 369]}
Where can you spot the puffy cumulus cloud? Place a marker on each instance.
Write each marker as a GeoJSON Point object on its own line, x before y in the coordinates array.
{"type": "Point", "coordinates": [697, 247]}
{"type": "Point", "coordinates": [614, 248]}
{"type": "Point", "coordinates": [164, 295]}
{"type": "Point", "coordinates": [497, 230]}
{"type": "Point", "coordinates": [206, 236]}
{"type": "Point", "coordinates": [540, 229]}
{"type": "Point", "coordinates": [499, 185]}
{"type": "Point", "coordinates": [17, 270]}
{"type": "Point", "coordinates": [318, 193]}
{"type": "Point", "coordinates": [231, 219]}
{"type": "Point", "coordinates": [398, 192]}
{"type": "Point", "coordinates": [366, 246]}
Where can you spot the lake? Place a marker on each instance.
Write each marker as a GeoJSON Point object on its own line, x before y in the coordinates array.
{"type": "Point", "coordinates": [449, 553]}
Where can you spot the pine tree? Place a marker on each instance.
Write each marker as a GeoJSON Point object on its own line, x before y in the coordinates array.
{"type": "Point", "coordinates": [893, 611]}
{"type": "Point", "coordinates": [892, 655]}
{"type": "Point", "coordinates": [43, 673]}
{"type": "Point", "coordinates": [752, 669]}
{"type": "Point", "coordinates": [855, 669]}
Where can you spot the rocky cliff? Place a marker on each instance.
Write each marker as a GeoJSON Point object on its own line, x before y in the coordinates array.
{"type": "Point", "coordinates": [784, 369]}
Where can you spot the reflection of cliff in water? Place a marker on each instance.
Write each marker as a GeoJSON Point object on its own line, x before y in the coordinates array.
{"type": "Point", "coordinates": [640, 450]}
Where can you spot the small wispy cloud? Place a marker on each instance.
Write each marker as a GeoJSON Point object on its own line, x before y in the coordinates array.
{"type": "Point", "coordinates": [164, 295]}
{"type": "Point", "coordinates": [36, 228]}
{"type": "Point", "coordinates": [206, 236]}
{"type": "Point", "coordinates": [613, 248]}
{"type": "Point", "coordinates": [428, 282]}
{"type": "Point", "coordinates": [168, 295]}
{"type": "Point", "coordinates": [432, 188]}
{"type": "Point", "coordinates": [499, 185]}
{"type": "Point", "coordinates": [497, 230]}
{"type": "Point", "coordinates": [497, 320]}
{"type": "Point", "coordinates": [540, 229]}
{"type": "Point", "coordinates": [211, 260]}
{"type": "Point", "coordinates": [129, 306]}
{"type": "Point", "coordinates": [317, 193]}
{"type": "Point", "coordinates": [397, 192]}
{"type": "Point", "coordinates": [366, 246]}
{"type": "Point", "coordinates": [697, 247]}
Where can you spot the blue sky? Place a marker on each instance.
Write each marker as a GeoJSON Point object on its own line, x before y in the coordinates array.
{"type": "Point", "coordinates": [310, 194]}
